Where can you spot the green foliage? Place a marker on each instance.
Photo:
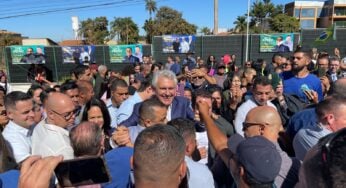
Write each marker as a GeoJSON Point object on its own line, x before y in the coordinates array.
{"type": "Point", "coordinates": [168, 21]}
{"type": "Point", "coordinates": [205, 31]}
{"type": "Point", "coordinates": [125, 29]}
{"type": "Point", "coordinates": [240, 24]}
{"type": "Point", "coordinates": [9, 39]}
{"type": "Point", "coordinates": [282, 23]}
{"type": "Point", "coordinates": [150, 6]}
{"type": "Point", "coordinates": [95, 30]}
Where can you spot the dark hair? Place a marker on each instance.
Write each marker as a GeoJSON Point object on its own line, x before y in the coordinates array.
{"type": "Point", "coordinates": [334, 58]}
{"type": "Point", "coordinates": [326, 168]}
{"type": "Point", "coordinates": [79, 70]}
{"type": "Point", "coordinates": [158, 152]}
{"type": "Point", "coordinates": [155, 65]}
{"type": "Point", "coordinates": [33, 88]}
{"type": "Point", "coordinates": [117, 83]}
{"type": "Point", "coordinates": [7, 161]}
{"type": "Point", "coordinates": [261, 80]}
{"type": "Point", "coordinates": [86, 139]}
{"type": "Point", "coordinates": [185, 127]}
{"type": "Point", "coordinates": [44, 94]}
{"type": "Point", "coordinates": [12, 98]}
{"type": "Point", "coordinates": [200, 93]}
{"type": "Point", "coordinates": [144, 85]}
{"type": "Point", "coordinates": [305, 50]}
{"type": "Point", "coordinates": [105, 114]}
{"type": "Point", "coordinates": [68, 85]}
{"type": "Point", "coordinates": [146, 109]}
{"type": "Point", "coordinates": [276, 55]}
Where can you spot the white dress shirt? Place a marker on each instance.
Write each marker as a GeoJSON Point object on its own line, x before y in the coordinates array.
{"type": "Point", "coordinates": [51, 140]}
{"type": "Point", "coordinates": [19, 139]}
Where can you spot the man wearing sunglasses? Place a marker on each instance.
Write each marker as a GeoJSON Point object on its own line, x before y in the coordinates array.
{"type": "Point", "coordinates": [51, 137]}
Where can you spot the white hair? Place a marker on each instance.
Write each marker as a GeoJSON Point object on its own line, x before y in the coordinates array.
{"type": "Point", "coordinates": [164, 73]}
{"type": "Point", "coordinates": [102, 68]}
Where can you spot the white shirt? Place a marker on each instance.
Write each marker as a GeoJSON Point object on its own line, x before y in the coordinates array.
{"type": "Point", "coordinates": [113, 110]}
{"type": "Point", "coordinates": [51, 140]}
{"type": "Point", "coordinates": [19, 139]}
{"type": "Point", "coordinates": [242, 112]}
{"type": "Point", "coordinates": [199, 174]}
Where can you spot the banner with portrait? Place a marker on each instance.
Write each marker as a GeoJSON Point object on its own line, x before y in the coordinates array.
{"type": "Point", "coordinates": [282, 42]}
{"type": "Point", "coordinates": [30, 54]}
{"type": "Point", "coordinates": [78, 54]}
{"type": "Point", "coordinates": [178, 43]}
{"type": "Point", "coordinates": [117, 53]}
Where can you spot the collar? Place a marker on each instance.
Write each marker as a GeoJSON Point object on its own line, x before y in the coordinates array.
{"type": "Point", "coordinates": [18, 128]}
{"type": "Point", "coordinates": [55, 128]}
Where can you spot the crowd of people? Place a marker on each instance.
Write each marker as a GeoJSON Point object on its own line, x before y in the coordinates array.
{"type": "Point", "coordinates": [189, 123]}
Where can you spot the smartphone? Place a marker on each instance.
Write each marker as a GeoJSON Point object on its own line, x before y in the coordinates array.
{"type": "Point", "coordinates": [82, 171]}
{"type": "Point", "coordinates": [321, 72]}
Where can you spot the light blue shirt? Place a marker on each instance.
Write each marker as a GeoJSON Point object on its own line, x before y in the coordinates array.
{"type": "Point", "coordinates": [112, 112]}
{"type": "Point", "coordinates": [19, 139]}
{"type": "Point", "coordinates": [199, 174]}
{"type": "Point", "coordinates": [134, 132]}
{"type": "Point", "coordinates": [306, 138]}
{"type": "Point", "coordinates": [126, 108]}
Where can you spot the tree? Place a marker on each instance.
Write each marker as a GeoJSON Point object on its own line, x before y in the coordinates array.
{"type": "Point", "coordinates": [149, 29]}
{"type": "Point", "coordinates": [95, 30]}
{"type": "Point", "coordinates": [240, 24]}
{"type": "Point", "coordinates": [125, 29]}
{"type": "Point", "coordinates": [283, 23]}
{"type": "Point", "coordinates": [170, 21]}
{"type": "Point", "coordinates": [10, 39]}
{"type": "Point", "coordinates": [205, 31]}
{"type": "Point", "coordinates": [150, 6]}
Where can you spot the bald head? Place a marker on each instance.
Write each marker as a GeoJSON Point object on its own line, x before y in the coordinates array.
{"type": "Point", "coordinates": [60, 110]}
{"type": "Point", "coordinates": [269, 122]}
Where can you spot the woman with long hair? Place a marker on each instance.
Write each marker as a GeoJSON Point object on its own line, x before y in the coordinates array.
{"type": "Point", "coordinates": [96, 111]}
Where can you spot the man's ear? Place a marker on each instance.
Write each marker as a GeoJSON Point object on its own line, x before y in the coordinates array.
{"type": "Point", "coordinates": [183, 169]}
{"type": "Point", "coordinates": [10, 114]}
{"type": "Point", "coordinates": [131, 162]}
{"type": "Point", "coordinates": [241, 172]}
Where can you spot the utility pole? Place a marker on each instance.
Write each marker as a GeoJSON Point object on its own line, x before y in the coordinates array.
{"type": "Point", "coordinates": [216, 17]}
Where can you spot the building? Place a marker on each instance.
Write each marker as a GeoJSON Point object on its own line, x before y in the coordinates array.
{"type": "Point", "coordinates": [39, 41]}
{"type": "Point", "coordinates": [318, 14]}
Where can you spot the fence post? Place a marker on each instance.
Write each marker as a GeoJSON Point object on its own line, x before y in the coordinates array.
{"type": "Point", "coordinates": [7, 67]}
{"type": "Point", "coordinates": [56, 68]}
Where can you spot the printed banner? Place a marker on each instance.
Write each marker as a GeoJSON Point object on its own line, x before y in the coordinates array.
{"type": "Point", "coordinates": [122, 53]}
{"type": "Point", "coordinates": [78, 54]}
{"type": "Point", "coordinates": [31, 54]}
{"type": "Point", "coordinates": [282, 42]}
{"type": "Point", "coordinates": [178, 43]}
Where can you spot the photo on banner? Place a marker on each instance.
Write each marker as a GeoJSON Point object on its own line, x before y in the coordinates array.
{"type": "Point", "coordinates": [117, 53]}
{"type": "Point", "coordinates": [178, 43]}
{"type": "Point", "coordinates": [78, 54]}
{"type": "Point", "coordinates": [282, 42]}
{"type": "Point", "coordinates": [31, 54]}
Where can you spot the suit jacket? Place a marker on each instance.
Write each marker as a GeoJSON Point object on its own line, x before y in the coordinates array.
{"type": "Point", "coordinates": [180, 109]}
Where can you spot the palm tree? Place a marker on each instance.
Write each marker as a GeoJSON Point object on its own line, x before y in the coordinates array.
{"type": "Point", "coordinates": [240, 24]}
{"type": "Point", "coordinates": [150, 6]}
{"type": "Point", "coordinates": [205, 31]}
{"type": "Point", "coordinates": [126, 29]}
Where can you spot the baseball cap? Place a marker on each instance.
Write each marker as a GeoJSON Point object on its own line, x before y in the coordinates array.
{"type": "Point", "coordinates": [257, 155]}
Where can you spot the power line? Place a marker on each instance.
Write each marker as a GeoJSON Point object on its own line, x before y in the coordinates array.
{"type": "Point", "coordinates": [120, 3]}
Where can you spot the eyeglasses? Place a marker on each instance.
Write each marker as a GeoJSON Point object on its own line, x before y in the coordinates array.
{"type": "Point", "coordinates": [68, 115]}
{"type": "Point", "coordinates": [246, 125]}
{"type": "Point", "coordinates": [199, 77]}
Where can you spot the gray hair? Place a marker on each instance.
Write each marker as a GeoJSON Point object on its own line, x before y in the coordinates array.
{"type": "Point", "coordinates": [164, 73]}
{"type": "Point", "coordinates": [102, 68]}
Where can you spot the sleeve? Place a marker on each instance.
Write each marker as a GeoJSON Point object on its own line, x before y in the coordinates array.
{"type": "Point", "coordinates": [133, 119]}
{"type": "Point", "coordinates": [238, 121]}
{"type": "Point", "coordinates": [20, 149]}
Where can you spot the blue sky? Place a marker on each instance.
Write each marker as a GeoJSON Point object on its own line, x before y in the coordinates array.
{"type": "Point", "coordinates": [57, 26]}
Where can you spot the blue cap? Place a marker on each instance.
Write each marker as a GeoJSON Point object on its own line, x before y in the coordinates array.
{"type": "Point", "coordinates": [258, 156]}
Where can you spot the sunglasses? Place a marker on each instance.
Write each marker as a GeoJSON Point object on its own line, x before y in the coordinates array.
{"type": "Point", "coordinates": [331, 143]}
{"type": "Point", "coordinates": [199, 77]}
{"type": "Point", "coordinates": [246, 125]}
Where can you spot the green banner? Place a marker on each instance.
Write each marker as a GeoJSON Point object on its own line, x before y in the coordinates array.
{"type": "Point", "coordinates": [28, 54]}
{"type": "Point", "coordinates": [118, 52]}
{"type": "Point", "coordinates": [282, 42]}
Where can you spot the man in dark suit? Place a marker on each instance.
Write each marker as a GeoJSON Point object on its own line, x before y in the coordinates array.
{"type": "Point", "coordinates": [165, 85]}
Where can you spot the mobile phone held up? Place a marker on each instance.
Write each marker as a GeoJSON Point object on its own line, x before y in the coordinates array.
{"type": "Point", "coordinates": [82, 171]}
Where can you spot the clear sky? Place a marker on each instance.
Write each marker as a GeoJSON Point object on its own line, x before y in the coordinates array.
{"type": "Point", "coordinates": [57, 26]}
